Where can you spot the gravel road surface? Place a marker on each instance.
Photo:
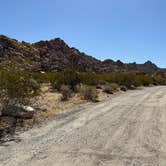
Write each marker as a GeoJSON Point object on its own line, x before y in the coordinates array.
{"type": "Point", "coordinates": [127, 130]}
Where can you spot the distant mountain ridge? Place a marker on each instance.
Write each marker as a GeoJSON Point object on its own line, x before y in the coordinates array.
{"type": "Point", "coordinates": [56, 56]}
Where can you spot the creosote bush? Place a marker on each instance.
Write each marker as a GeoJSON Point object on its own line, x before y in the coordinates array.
{"type": "Point", "coordinates": [73, 78]}
{"type": "Point", "coordinates": [89, 93]}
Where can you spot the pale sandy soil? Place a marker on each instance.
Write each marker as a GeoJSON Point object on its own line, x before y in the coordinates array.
{"type": "Point", "coordinates": [48, 105]}
{"type": "Point", "coordinates": [51, 104]}
{"type": "Point", "coordinates": [127, 130]}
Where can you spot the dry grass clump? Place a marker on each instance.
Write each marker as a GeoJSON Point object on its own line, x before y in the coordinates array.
{"type": "Point", "coordinates": [66, 92]}
{"type": "Point", "coordinates": [89, 93]}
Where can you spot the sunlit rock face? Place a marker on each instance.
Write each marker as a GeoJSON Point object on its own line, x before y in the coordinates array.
{"type": "Point", "coordinates": [55, 56]}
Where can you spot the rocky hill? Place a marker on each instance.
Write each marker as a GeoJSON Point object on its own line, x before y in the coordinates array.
{"type": "Point", "coordinates": [55, 56]}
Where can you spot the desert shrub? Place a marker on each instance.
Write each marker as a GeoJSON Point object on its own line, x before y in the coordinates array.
{"type": "Point", "coordinates": [146, 80]}
{"type": "Point", "coordinates": [70, 78]}
{"type": "Point", "coordinates": [127, 79]}
{"type": "Point", "coordinates": [73, 78]}
{"type": "Point", "coordinates": [108, 89]}
{"type": "Point", "coordinates": [131, 79]}
{"type": "Point", "coordinates": [89, 79]}
{"type": "Point", "coordinates": [34, 85]}
{"type": "Point", "coordinates": [102, 82]}
{"type": "Point", "coordinates": [45, 77]}
{"type": "Point", "coordinates": [114, 86]}
{"type": "Point", "coordinates": [159, 81]}
{"type": "Point", "coordinates": [77, 88]}
{"type": "Point", "coordinates": [89, 93]}
{"type": "Point", "coordinates": [17, 88]}
{"type": "Point", "coordinates": [56, 86]}
{"type": "Point", "coordinates": [66, 92]}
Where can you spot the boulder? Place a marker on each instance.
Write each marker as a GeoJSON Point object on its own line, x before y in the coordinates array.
{"type": "Point", "coordinates": [19, 111]}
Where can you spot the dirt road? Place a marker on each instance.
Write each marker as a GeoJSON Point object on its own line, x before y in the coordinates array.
{"type": "Point", "coordinates": [128, 130]}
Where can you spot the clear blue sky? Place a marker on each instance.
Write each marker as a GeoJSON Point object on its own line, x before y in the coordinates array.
{"type": "Point", "coordinates": [129, 30]}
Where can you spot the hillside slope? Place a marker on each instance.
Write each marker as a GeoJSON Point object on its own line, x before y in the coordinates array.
{"type": "Point", "coordinates": [55, 56]}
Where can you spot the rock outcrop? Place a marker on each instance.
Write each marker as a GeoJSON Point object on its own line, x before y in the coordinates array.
{"type": "Point", "coordinates": [55, 56]}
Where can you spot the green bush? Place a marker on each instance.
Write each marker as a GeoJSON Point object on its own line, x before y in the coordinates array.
{"type": "Point", "coordinates": [102, 82]}
{"type": "Point", "coordinates": [73, 78]}
{"type": "Point", "coordinates": [89, 93]}
{"type": "Point", "coordinates": [17, 88]}
{"type": "Point", "coordinates": [45, 77]}
{"type": "Point", "coordinates": [126, 79]}
{"type": "Point", "coordinates": [70, 78]}
{"type": "Point", "coordinates": [159, 81]}
{"type": "Point", "coordinates": [90, 79]}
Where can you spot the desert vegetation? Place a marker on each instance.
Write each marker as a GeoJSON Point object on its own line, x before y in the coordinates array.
{"type": "Point", "coordinates": [89, 93]}
{"type": "Point", "coordinates": [20, 86]}
{"type": "Point", "coordinates": [73, 78]}
{"type": "Point", "coordinates": [66, 92]}
{"type": "Point", "coordinates": [19, 89]}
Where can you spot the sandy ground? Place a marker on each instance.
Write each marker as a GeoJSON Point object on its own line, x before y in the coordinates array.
{"type": "Point", "coordinates": [47, 105]}
{"type": "Point", "coordinates": [128, 130]}
{"type": "Point", "coordinates": [51, 104]}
